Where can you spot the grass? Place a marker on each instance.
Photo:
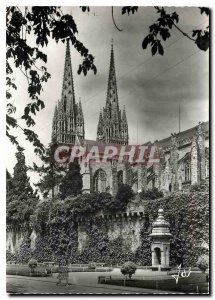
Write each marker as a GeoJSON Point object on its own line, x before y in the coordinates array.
{"type": "Point", "coordinates": [195, 283]}
{"type": "Point", "coordinates": [23, 270]}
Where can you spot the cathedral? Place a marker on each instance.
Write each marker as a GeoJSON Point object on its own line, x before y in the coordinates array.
{"type": "Point", "coordinates": [184, 157]}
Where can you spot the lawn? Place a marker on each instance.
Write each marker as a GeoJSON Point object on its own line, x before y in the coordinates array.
{"type": "Point", "coordinates": [23, 270]}
{"type": "Point", "coordinates": [195, 283]}
{"type": "Point", "coordinates": [41, 270]}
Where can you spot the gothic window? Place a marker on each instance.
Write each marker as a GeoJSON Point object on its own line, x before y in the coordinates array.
{"type": "Point", "coordinates": [100, 181]}
{"type": "Point", "coordinates": [187, 172]}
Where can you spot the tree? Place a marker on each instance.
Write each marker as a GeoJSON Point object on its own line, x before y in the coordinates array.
{"type": "Point", "coordinates": [161, 29]}
{"type": "Point", "coordinates": [151, 194]}
{"type": "Point", "coordinates": [32, 264]}
{"type": "Point", "coordinates": [43, 22]}
{"type": "Point", "coordinates": [124, 193]}
{"type": "Point", "coordinates": [71, 184]}
{"type": "Point", "coordinates": [128, 268]}
{"type": "Point", "coordinates": [50, 172]}
{"type": "Point", "coordinates": [21, 199]}
{"type": "Point", "coordinates": [203, 262]}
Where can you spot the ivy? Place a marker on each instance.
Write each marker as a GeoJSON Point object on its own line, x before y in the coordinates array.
{"type": "Point", "coordinates": [57, 227]}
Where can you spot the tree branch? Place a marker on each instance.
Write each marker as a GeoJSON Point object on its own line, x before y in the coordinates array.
{"type": "Point", "coordinates": [184, 33]}
{"type": "Point", "coordinates": [115, 22]}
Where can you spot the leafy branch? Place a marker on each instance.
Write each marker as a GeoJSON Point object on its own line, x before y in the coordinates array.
{"type": "Point", "coordinates": [44, 23]}
{"type": "Point", "coordinates": [160, 30]}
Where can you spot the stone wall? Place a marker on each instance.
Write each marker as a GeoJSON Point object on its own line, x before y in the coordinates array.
{"type": "Point", "coordinates": [126, 226]}
{"type": "Point", "coordinates": [14, 238]}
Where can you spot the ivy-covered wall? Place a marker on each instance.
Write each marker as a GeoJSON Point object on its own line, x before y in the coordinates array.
{"type": "Point", "coordinates": [118, 239]}
{"type": "Point", "coordinates": [127, 227]}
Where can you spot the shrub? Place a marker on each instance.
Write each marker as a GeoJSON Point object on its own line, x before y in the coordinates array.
{"type": "Point", "coordinates": [128, 268]}
{"type": "Point", "coordinates": [203, 263]}
{"type": "Point", "coordinates": [151, 194]}
{"type": "Point", "coordinates": [10, 256]}
{"type": "Point", "coordinates": [92, 266]}
{"type": "Point", "coordinates": [32, 264]}
{"type": "Point", "coordinates": [123, 196]}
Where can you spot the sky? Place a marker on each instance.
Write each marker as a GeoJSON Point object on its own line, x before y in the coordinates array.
{"type": "Point", "coordinates": [150, 87]}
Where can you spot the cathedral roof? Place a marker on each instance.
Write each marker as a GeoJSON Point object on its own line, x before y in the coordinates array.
{"type": "Point", "coordinates": [189, 133]}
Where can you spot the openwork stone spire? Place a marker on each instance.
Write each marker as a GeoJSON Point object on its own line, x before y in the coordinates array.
{"type": "Point", "coordinates": [112, 128]}
{"type": "Point", "coordinates": [68, 94]}
{"type": "Point", "coordinates": [112, 96]}
{"type": "Point", "coordinates": [68, 117]}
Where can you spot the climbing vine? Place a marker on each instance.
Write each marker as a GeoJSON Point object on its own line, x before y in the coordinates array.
{"type": "Point", "coordinates": [57, 223]}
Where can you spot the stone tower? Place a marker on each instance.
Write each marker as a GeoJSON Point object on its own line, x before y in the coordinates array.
{"type": "Point", "coordinates": [112, 125]}
{"type": "Point", "coordinates": [68, 117]}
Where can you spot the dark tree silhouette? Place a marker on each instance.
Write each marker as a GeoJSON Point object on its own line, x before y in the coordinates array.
{"type": "Point", "coordinates": [21, 199]}
{"type": "Point", "coordinates": [71, 184]}
{"type": "Point", "coordinates": [50, 172]}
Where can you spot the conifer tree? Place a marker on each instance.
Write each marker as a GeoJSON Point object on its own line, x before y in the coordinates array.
{"type": "Point", "coordinates": [21, 198]}
{"type": "Point", "coordinates": [71, 184]}
{"type": "Point", "coordinates": [50, 172]}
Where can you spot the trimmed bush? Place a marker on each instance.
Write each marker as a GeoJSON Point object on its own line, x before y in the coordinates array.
{"type": "Point", "coordinates": [203, 263]}
{"type": "Point", "coordinates": [32, 264]}
{"type": "Point", "coordinates": [92, 266]}
{"type": "Point", "coordinates": [128, 268]}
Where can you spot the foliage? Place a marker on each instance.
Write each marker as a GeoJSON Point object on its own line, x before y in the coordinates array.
{"type": "Point", "coordinates": [44, 23]}
{"type": "Point", "coordinates": [161, 31]}
{"type": "Point", "coordinates": [203, 186]}
{"type": "Point", "coordinates": [43, 251]}
{"type": "Point", "coordinates": [128, 268]}
{"type": "Point", "coordinates": [203, 262]}
{"type": "Point", "coordinates": [21, 199]}
{"type": "Point", "coordinates": [71, 184]}
{"type": "Point", "coordinates": [124, 194]}
{"type": "Point", "coordinates": [10, 256]}
{"type": "Point", "coordinates": [32, 264]}
{"type": "Point", "coordinates": [188, 215]}
{"type": "Point", "coordinates": [50, 172]}
{"type": "Point", "coordinates": [151, 194]}
{"type": "Point", "coordinates": [24, 253]}
{"type": "Point", "coordinates": [40, 218]}
{"type": "Point", "coordinates": [143, 253]}
{"type": "Point", "coordinates": [92, 266]}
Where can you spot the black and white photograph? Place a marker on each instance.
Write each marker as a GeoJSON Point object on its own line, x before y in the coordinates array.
{"type": "Point", "coordinates": [108, 150]}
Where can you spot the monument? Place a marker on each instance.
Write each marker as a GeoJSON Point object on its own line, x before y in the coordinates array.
{"type": "Point", "coordinates": [160, 246]}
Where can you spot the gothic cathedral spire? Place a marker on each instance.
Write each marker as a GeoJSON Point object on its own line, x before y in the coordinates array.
{"type": "Point", "coordinates": [112, 126]}
{"type": "Point", "coordinates": [68, 117]}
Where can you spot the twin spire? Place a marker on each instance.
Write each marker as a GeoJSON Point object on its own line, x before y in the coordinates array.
{"type": "Point", "coordinates": [112, 125]}
{"type": "Point", "coordinates": [68, 120]}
